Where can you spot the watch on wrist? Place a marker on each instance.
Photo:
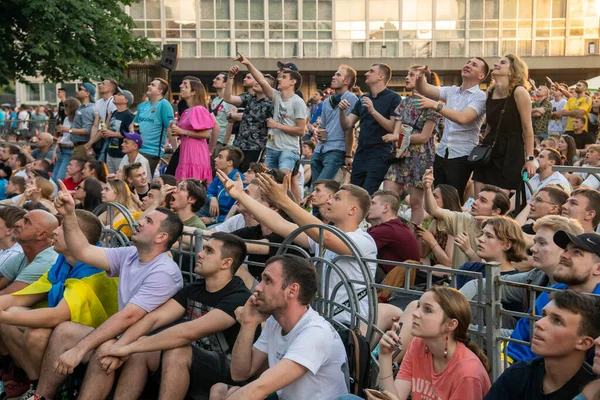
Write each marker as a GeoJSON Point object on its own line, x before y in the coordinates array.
{"type": "Point", "coordinates": [529, 158]}
{"type": "Point", "coordinates": [70, 130]}
{"type": "Point", "coordinates": [439, 107]}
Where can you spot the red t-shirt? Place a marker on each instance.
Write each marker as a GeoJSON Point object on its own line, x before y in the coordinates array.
{"type": "Point", "coordinates": [70, 184]}
{"type": "Point", "coordinates": [395, 242]}
{"type": "Point", "coordinates": [464, 378]}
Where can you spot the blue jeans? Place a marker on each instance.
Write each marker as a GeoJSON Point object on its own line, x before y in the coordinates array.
{"type": "Point", "coordinates": [368, 171]}
{"type": "Point", "coordinates": [60, 168]}
{"type": "Point", "coordinates": [326, 165]}
{"type": "Point", "coordinates": [281, 159]}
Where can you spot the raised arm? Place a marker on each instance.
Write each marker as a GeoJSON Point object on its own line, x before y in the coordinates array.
{"type": "Point", "coordinates": [266, 216]}
{"type": "Point", "coordinates": [228, 97]}
{"type": "Point", "coordinates": [463, 117]}
{"type": "Point", "coordinates": [74, 237]}
{"type": "Point", "coordinates": [347, 122]}
{"type": "Point", "coordinates": [426, 89]}
{"type": "Point", "coordinates": [430, 204]}
{"type": "Point", "coordinates": [385, 123]}
{"type": "Point", "coordinates": [258, 76]}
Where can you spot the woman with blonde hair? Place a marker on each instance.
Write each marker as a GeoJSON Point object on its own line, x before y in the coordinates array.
{"type": "Point", "coordinates": [117, 191]}
{"type": "Point", "coordinates": [509, 128]}
{"type": "Point", "coordinates": [41, 190]}
{"type": "Point", "coordinates": [441, 362]}
{"type": "Point", "coordinates": [502, 241]}
{"type": "Point", "coordinates": [409, 168]}
{"type": "Point", "coordinates": [194, 130]}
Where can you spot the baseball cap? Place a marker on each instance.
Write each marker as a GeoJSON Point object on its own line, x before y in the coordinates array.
{"type": "Point", "coordinates": [135, 137]}
{"type": "Point", "coordinates": [587, 241]}
{"type": "Point", "coordinates": [289, 65]}
{"type": "Point", "coordinates": [90, 88]}
{"type": "Point", "coordinates": [128, 95]}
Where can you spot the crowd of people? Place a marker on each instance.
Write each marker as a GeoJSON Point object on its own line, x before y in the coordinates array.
{"type": "Point", "coordinates": [452, 177]}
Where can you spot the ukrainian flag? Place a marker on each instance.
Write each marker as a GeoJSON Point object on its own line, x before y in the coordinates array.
{"type": "Point", "coordinates": [91, 295]}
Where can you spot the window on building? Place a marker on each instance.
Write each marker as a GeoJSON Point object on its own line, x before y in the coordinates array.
{"type": "Point", "coordinates": [215, 28]}
{"type": "Point", "coordinates": [147, 17]}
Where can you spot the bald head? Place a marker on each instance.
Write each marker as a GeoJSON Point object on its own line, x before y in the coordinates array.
{"type": "Point", "coordinates": [44, 220]}
{"type": "Point", "coordinates": [37, 226]}
{"type": "Point", "coordinates": [44, 139]}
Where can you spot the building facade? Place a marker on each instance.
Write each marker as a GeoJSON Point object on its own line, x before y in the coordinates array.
{"type": "Point", "coordinates": [558, 38]}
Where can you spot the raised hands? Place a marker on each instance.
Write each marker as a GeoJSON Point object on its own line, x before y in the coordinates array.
{"type": "Point", "coordinates": [428, 179]}
{"type": "Point", "coordinates": [423, 102]}
{"type": "Point", "coordinates": [240, 58]}
{"type": "Point", "coordinates": [233, 71]}
{"type": "Point", "coordinates": [273, 191]}
{"type": "Point", "coordinates": [64, 203]}
{"type": "Point", "coordinates": [233, 188]}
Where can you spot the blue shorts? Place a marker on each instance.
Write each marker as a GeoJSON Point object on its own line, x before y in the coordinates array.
{"type": "Point", "coordinates": [281, 159]}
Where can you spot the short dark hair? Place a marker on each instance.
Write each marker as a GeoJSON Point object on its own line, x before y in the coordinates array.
{"type": "Point", "coordinates": [557, 195]}
{"type": "Point", "coordinates": [62, 89]}
{"type": "Point", "coordinates": [232, 247]}
{"type": "Point", "coordinates": [80, 161]}
{"type": "Point", "coordinates": [12, 149]}
{"type": "Point", "coordinates": [501, 200]}
{"type": "Point", "coordinates": [295, 75]}
{"type": "Point", "coordinates": [256, 167]}
{"type": "Point", "coordinates": [18, 181]}
{"type": "Point", "coordinates": [35, 205]}
{"type": "Point", "coordinates": [298, 270]}
{"type": "Point", "coordinates": [11, 214]}
{"type": "Point", "coordinates": [45, 165]}
{"type": "Point", "coordinates": [169, 179]}
{"type": "Point", "coordinates": [21, 159]}
{"type": "Point", "coordinates": [172, 225]}
{"type": "Point", "coordinates": [197, 192]}
{"type": "Point", "coordinates": [310, 144]}
{"type": "Point", "coordinates": [389, 197]}
{"type": "Point", "coordinates": [130, 168]}
{"type": "Point", "coordinates": [386, 70]}
{"type": "Point", "coordinates": [582, 119]}
{"type": "Point", "coordinates": [593, 197]}
{"type": "Point", "coordinates": [225, 76]}
{"type": "Point", "coordinates": [486, 68]}
{"type": "Point", "coordinates": [234, 154]}
{"type": "Point", "coordinates": [90, 225]}
{"type": "Point", "coordinates": [586, 305]}
{"type": "Point", "coordinates": [329, 184]}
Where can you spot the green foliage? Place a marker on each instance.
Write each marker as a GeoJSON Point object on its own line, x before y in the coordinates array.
{"type": "Point", "coordinates": [68, 39]}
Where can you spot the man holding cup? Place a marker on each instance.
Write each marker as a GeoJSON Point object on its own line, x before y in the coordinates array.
{"type": "Point", "coordinates": [335, 144]}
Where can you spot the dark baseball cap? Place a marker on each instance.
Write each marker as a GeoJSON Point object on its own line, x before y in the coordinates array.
{"type": "Point", "coordinates": [587, 241]}
{"type": "Point", "coordinates": [290, 65]}
{"type": "Point", "coordinates": [127, 94]}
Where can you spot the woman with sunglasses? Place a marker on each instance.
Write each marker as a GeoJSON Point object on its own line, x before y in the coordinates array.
{"type": "Point", "coordinates": [89, 194]}
{"type": "Point", "coordinates": [194, 131]}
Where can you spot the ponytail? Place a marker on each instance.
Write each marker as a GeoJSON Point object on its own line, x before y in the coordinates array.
{"type": "Point", "coordinates": [471, 345]}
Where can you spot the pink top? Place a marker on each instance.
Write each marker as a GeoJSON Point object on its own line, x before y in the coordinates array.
{"type": "Point", "coordinates": [197, 118]}
{"type": "Point", "coordinates": [464, 378]}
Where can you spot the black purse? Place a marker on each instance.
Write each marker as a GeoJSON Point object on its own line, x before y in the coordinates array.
{"type": "Point", "coordinates": [482, 153]}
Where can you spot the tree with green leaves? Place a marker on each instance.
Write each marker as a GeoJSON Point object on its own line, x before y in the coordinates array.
{"type": "Point", "coordinates": [64, 40]}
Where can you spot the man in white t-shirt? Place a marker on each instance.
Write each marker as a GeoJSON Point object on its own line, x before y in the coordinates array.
{"type": "Point", "coordinates": [346, 210]}
{"type": "Point", "coordinates": [545, 176]}
{"type": "Point", "coordinates": [305, 356]}
{"type": "Point", "coordinates": [103, 108]}
{"type": "Point", "coordinates": [288, 124]}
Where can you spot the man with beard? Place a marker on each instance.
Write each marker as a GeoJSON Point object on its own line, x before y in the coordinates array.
{"type": "Point", "coordinates": [578, 269]}
{"type": "Point", "coordinates": [335, 144]}
{"type": "Point", "coordinates": [304, 354]}
{"type": "Point", "coordinates": [545, 176]}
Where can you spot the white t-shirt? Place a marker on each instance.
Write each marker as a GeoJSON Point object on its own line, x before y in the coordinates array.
{"type": "Point", "coordinates": [314, 344]}
{"type": "Point", "coordinates": [365, 243]}
{"type": "Point", "coordinates": [555, 179]}
{"type": "Point", "coordinates": [142, 160]}
{"type": "Point", "coordinates": [286, 112]}
{"type": "Point", "coordinates": [23, 116]}
{"type": "Point", "coordinates": [559, 124]}
{"type": "Point", "coordinates": [103, 108]}
{"type": "Point", "coordinates": [232, 224]}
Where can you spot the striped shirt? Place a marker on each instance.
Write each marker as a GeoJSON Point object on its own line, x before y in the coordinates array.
{"type": "Point", "coordinates": [459, 139]}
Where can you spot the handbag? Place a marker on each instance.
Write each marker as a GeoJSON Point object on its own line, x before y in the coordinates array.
{"type": "Point", "coordinates": [482, 153]}
{"type": "Point", "coordinates": [400, 150]}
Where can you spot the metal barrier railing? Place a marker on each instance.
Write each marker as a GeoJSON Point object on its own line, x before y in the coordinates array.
{"type": "Point", "coordinates": [594, 171]}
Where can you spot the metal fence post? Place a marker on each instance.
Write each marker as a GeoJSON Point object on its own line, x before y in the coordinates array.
{"type": "Point", "coordinates": [492, 316]}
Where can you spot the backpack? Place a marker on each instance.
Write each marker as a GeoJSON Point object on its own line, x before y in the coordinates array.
{"type": "Point", "coordinates": [359, 357]}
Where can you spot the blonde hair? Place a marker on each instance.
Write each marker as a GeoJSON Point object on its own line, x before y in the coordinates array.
{"type": "Point", "coordinates": [508, 230]}
{"type": "Point", "coordinates": [518, 73]}
{"type": "Point", "coordinates": [46, 188]}
{"type": "Point", "coordinates": [123, 194]}
{"type": "Point", "coordinates": [361, 196]}
{"type": "Point", "coordinates": [557, 223]}
{"type": "Point", "coordinates": [456, 306]}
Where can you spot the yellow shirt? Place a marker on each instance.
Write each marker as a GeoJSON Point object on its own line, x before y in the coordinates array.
{"type": "Point", "coordinates": [583, 103]}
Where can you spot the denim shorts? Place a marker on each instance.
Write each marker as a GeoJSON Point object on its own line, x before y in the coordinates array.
{"type": "Point", "coordinates": [281, 159]}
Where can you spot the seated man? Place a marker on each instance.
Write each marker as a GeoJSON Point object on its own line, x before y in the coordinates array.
{"type": "Point", "coordinates": [34, 233]}
{"type": "Point", "coordinates": [147, 278]}
{"type": "Point", "coordinates": [578, 269]}
{"type": "Point", "coordinates": [74, 291]}
{"type": "Point", "coordinates": [347, 210]}
{"type": "Point", "coordinates": [305, 356]}
{"type": "Point", "coordinates": [324, 190]}
{"type": "Point", "coordinates": [9, 247]}
{"type": "Point", "coordinates": [584, 206]}
{"type": "Point", "coordinates": [547, 201]}
{"type": "Point", "coordinates": [188, 199]}
{"type": "Point", "coordinates": [195, 353]}
{"type": "Point", "coordinates": [569, 324]}
{"type": "Point", "coordinates": [545, 175]}
{"type": "Point", "coordinates": [219, 202]}
{"type": "Point", "coordinates": [135, 177]}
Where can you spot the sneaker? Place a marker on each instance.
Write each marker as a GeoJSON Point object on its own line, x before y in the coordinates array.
{"type": "Point", "coordinates": [28, 394]}
{"type": "Point", "coordinates": [16, 389]}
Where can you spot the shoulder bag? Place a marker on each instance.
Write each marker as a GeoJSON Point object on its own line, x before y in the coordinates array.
{"type": "Point", "coordinates": [482, 153]}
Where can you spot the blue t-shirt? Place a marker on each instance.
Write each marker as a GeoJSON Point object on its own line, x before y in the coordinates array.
{"type": "Point", "coordinates": [154, 120]}
{"type": "Point", "coordinates": [371, 133]}
{"type": "Point", "coordinates": [330, 120]}
{"type": "Point", "coordinates": [519, 352]}
{"type": "Point", "coordinates": [472, 266]}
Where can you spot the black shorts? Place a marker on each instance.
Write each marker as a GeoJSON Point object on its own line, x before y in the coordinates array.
{"type": "Point", "coordinates": [208, 368]}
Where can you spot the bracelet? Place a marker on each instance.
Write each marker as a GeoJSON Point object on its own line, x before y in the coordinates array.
{"type": "Point", "coordinates": [348, 156]}
{"type": "Point", "coordinates": [385, 377]}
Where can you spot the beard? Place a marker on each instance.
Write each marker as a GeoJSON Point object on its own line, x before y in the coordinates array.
{"type": "Point", "coordinates": [567, 277]}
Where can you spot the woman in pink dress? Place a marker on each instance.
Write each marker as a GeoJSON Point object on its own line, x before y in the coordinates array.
{"type": "Point", "coordinates": [194, 129]}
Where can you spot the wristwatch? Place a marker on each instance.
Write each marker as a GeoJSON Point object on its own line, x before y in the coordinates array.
{"type": "Point", "coordinates": [529, 158]}
{"type": "Point", "coordinates": [439, 107]}
{"type": "Point", "coordinates": [70, 130]}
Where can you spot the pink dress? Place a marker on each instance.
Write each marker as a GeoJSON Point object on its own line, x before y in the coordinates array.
{"type": "Point", "coordinates": [194, 156]}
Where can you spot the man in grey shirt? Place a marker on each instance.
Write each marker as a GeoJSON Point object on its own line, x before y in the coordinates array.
{"type": "Point", "coordinates": [463, 114]}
